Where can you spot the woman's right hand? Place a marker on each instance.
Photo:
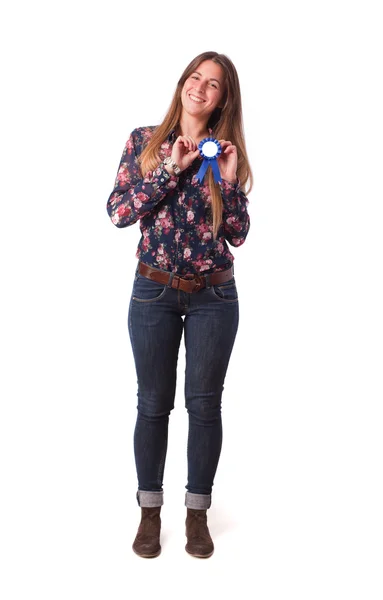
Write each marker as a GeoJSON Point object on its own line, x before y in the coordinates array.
{"type": "Point", "coordinates": [185, 150]}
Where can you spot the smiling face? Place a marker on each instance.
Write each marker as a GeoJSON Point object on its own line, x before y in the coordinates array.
{"type": "Point", "coordinates": [203, 89]}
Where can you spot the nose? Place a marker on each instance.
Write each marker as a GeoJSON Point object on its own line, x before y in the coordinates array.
{"type": "Point", "coordinates": [200, 86]}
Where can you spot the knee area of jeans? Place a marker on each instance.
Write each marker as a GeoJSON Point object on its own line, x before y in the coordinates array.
{"type": "Point", "coordinates": [204, 408]}
{"type": "Point", "coordinates": [155, 406]}
{"type": "Point", "coordinates": [150, 413]}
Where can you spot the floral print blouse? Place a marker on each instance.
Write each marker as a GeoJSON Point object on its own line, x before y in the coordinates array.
{"type": "Point", "coordinates": [174, 212]}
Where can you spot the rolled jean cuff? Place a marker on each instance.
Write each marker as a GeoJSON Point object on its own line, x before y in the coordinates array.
{"type": "Point", "coordinates": [149, 499]}
{"type": "Point", "coordinates": [197, 501]}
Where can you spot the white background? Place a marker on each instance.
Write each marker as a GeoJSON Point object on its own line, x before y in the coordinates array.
{"type": "Point", "coordinates": [297, 501]}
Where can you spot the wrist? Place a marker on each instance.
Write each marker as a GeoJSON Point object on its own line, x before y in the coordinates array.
{"type": "Point", "coordinates": [171, 166]}
{"type": "Point", "coordinates": [169, 169]}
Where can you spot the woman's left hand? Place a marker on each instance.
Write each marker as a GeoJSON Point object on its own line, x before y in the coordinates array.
{"type": "Point", "coordinates": [228, 161]}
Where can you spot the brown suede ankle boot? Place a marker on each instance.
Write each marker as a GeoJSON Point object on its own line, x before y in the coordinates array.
{"type": "Point", "coordinates": [147, 542]}
{"type": "Point", "coordinates": [199, 542]}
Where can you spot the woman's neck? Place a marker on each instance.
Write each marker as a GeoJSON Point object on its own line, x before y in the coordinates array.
{"type": "Point", "coordinates": [197, 130]}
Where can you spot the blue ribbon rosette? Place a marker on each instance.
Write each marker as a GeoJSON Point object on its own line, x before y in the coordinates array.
{"type": "Point", "coordinates": [209, 149]}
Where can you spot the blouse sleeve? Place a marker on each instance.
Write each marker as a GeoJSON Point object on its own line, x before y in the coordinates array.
{"type": "Point", "coordinates": [236, 219]}
{"type": "Point", "coordinates": [134, 196]}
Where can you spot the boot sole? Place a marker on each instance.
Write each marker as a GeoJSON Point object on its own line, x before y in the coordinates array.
{"type": "Point", "coordinates": [200, 555]}
{"type": "Point", "coordinates": [147, 555]}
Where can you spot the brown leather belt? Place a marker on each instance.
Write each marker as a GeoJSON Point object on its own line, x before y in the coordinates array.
{"type": "Point", "coordinates": [192, 282]}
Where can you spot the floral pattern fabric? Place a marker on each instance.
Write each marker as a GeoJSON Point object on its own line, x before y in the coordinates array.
{"type": "Point", "coordinates": [174, 212]}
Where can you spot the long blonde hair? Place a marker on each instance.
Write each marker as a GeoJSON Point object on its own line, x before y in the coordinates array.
{"type": "Point", "coordinates": [226, 123]}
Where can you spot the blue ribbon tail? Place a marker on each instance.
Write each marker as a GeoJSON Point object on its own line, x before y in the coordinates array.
{"type": "Point", "coordinates": [202, 170]}
{"type": "Point", "coordinates": [215, 168]}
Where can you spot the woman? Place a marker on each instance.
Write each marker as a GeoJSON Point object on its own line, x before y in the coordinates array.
{"type": "Point", "coordinates": [184, 282]}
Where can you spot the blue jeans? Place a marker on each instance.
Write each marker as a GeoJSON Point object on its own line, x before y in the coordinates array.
{"type": "Point", "coordinates": [158, 314]}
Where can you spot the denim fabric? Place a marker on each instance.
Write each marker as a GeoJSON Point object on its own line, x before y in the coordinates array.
{"type": "Point", "coordinates": [150, 499]}
{"type": "Point", "coordinates": [158, 315]}
{"type": "Point", "coordinates": [197, 501]}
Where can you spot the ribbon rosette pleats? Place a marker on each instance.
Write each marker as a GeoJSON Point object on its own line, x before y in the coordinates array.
{"type": "Point", "coordinates": [209, 149]}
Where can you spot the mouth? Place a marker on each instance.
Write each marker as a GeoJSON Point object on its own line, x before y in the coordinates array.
{"type": "Point", "coordinates": [196, 99]}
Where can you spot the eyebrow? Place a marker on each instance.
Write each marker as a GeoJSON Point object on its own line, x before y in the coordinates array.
{"type": "Point", "coordinates": [211, 78]}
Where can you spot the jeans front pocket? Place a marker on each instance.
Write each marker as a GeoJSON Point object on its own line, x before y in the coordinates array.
{"type": "Point", "coordinates": [227, 291]}
{"type": "Point", "coordinates": [147, 290]}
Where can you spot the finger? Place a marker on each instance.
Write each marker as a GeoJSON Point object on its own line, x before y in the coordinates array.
{"type": "Point", "coordinates": [193, 155]}
{"type": "Point", "coordinates": [192, 141]}
{"type": "Point", "coordinates": [182, 139]}
{"type": "Point", "coordinates": [188, 141]}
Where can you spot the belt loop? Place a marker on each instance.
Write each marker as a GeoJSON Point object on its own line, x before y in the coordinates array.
{"type": "Point", "coordinates": [207, 276]}
{"type": "Point", "coordinates": [169, 283]}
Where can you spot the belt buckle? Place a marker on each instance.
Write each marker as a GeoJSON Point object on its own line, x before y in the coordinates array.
{"type": "Point", "coordinates": [192, 277]}
{"type": "Point", "coordinates": [198, 284]}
